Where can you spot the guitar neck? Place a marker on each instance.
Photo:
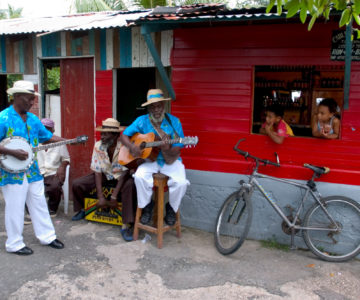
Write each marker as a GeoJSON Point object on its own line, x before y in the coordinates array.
{"type": "Point", "coordinates": [160, 143]}
{"type": "Point", "coordinates": [53, 145]}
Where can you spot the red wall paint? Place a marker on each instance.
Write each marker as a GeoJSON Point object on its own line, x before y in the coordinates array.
{"type": "Point", "coordinates": [213, 79]}
{"type": "Point", "coordinates": [104, 97]}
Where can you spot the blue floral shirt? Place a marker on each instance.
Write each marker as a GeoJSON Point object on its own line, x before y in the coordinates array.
{"type": "Point", "coordinates": [143, 125]}
{"type": "Point", "coordinates": [11, 124]}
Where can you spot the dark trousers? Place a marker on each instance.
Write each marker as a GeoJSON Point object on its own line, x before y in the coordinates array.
{"type": "Point", "coordinates": [53, 189]}
{"type": "Point", "coordinates": [83, 185]}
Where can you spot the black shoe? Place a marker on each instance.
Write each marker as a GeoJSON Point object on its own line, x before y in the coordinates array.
{"type": "Point", "coordinates": [52, 213]}
{"type": "Point", "coordinates": [79, 216]}
{"type": "Point", "coordinates": [56, 244]}
{"type": "Point", "coordinates": [24, 251]}
{"type": "Point", "coordinates": [147, 213]}
{"type": "Point", "coordinates": [127, 234]}
{"type": "Point", "coordinates": [170, 217]}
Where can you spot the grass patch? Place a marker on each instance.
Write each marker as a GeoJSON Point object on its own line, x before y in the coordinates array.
{"type": "Point", "coordinates": [272, 243]}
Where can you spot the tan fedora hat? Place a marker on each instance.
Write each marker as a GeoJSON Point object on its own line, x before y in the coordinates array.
{"type": "Point", "coordinates": [22, 87]}
{"type": "Point", "coordinates": [110, 125]}
{"type": "Point", "coordinates": [153, 96]}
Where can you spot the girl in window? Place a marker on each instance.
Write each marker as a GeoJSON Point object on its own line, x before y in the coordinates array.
{"type": "Point", "coordinates": [326, 123]}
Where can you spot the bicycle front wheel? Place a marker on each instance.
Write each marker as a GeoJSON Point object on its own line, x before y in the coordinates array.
{"type": "Point", "coordinates": [336, 246]}
{"type": "Point", "coordinates": [233, 223]}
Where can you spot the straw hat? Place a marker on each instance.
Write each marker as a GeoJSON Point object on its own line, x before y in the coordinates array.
{"type": "Point", "coordinates": [22, 87]}
{"type": "Point", "coordinates": [153, 96]}
{"type": "Point", "coordinates": [110, 125]}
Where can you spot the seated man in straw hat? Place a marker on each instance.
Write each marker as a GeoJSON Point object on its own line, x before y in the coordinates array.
{"type": "Point", "coordinates": [106, 170]}
{"type": "Point", "coordinates": [20, 187]}
{"type": "Point", "coordinates": [168, 162]}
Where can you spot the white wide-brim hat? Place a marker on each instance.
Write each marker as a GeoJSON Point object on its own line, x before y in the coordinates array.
{"type": "Point", "coordinates": [153, 96]}
{"type": "Point", "coordinates": [22, 87]}
{"type": "Point", "coordinates": [110, 125]}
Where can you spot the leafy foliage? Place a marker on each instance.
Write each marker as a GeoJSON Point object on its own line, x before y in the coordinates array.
{"type": "Point", "coordinates": [14, 12]}
{"type": "Point", "coordinates": [190, 2]}
{"type": "Point", "coordinates": [150, 3]}
{"type": "Point", "coordinates": [10, 13]}
{"type": "Point", "coordinates": [251, 3]}
{"type": "Point", "coordinates": [318, 8]}
{"type": "Point", "coordinates": [53, 78]}
{"type": "Point", "coordinates": [98, 5]}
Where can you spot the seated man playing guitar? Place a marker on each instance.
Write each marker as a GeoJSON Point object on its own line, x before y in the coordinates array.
{"type": "Point", "coordinates": [168, 161]}
{"type": "Point", "coordinates": [107, 171]}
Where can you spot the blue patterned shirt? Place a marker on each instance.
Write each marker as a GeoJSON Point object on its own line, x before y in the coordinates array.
{"type": "Point", "coordinates": [11, 124]}
{"type": "Point", "coordinates": [143, 125]}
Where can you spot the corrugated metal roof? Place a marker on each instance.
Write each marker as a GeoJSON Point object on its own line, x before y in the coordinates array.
{"type": "Point", "coordinates": [206, 11]}
{"type": "Point", "coordinates": [84, 21]}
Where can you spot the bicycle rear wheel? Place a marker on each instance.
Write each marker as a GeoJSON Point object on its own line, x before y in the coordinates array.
{"type": "Point", "coordinates": [233, 223]}
{"type": "Point", "coordinates": [335, 246]}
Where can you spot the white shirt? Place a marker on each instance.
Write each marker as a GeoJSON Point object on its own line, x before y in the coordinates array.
{"type": "Point", "coordinates": [51, 159]}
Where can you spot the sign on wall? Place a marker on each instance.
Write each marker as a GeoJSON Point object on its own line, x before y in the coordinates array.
{"type": "Point", "coordinates": [338, 46]}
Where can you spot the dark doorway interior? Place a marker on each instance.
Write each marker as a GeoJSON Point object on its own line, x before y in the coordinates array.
{"type": "Point", "coordinates": [132, 86]}
{"type": "Point", "coordinates": [4, 103]}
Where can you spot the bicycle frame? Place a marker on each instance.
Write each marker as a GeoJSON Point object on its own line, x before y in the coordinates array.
{"type": "Point", "coordinates": [253, 182]}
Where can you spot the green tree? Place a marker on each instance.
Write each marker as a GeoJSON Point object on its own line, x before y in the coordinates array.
{"type": "Point", "coordinates": [53, 78]}
{"type": "Point", "coordinates": [251, 3]}
{"type": "Point", "coordinates": [97, 5]}
{"type": "Point", "coordinates": [350, 9]}
{"type": "Point", "coordinates": [3, 14]}
{"type": "Point", "coordinates": [190, 2]}
{"type": "Point", "coordinates": [14, 12]}
{"type": "Point", "coordinates": [150, 3]}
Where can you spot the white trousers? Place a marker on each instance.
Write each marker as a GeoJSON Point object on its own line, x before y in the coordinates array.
{"type": "Point", "coordinates": [177, 182]}
{"type": "Point", "coordinates": [16, 196]}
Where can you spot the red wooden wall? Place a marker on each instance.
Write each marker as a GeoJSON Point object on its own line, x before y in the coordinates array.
{"type": "Point", "coordinates": [104, 95]}
{"type": "Point", "coordinates": [213, 79]}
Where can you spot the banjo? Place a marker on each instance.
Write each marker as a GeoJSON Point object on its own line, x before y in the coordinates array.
{"type": "Point", "coordinates": [13, 165]}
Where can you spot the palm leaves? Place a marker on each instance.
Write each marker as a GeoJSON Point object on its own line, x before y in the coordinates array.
{"type": "Point", "coordinates": [98, 5]}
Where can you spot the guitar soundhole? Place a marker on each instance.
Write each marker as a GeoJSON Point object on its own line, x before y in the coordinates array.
{"type": "Point", "coordinates": [142, 145]}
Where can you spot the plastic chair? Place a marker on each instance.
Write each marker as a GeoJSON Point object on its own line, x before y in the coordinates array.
{"type": "Point", "coordinates": [66, 190]}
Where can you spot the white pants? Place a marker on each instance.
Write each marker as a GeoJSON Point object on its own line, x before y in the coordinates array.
{"type": "Point", "coordinates": [177, 182]}
{"type": "Point", "coordinates": [15, 196]}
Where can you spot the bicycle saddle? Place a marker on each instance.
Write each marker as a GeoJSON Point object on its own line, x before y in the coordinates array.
{"type": "Point", "coordinates": [317, 170]}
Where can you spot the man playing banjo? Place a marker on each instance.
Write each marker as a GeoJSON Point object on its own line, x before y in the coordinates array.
{"type": "Point", "coordinates": [25, 186]}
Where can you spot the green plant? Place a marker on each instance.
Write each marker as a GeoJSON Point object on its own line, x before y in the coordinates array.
{"type": "Point", "coordinates": [318, 9]}
{"type": "Point", "coordinates": [272, 243]}
{"type": "Point", "coordinates": [53, 78]}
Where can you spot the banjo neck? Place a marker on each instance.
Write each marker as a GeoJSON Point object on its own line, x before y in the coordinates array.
{"type": "Point", "coordinates": [53, 145]}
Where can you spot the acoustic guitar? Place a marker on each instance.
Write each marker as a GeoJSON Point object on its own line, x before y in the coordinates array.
{"type": "Point", "coordinates": [149, 148]}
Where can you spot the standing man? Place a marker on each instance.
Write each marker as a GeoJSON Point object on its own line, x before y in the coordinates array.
{"type": "Point", "coordinates": [106, 171]}
{"type": "Point", "coordinates": [25, 187]}
{"type": "Point", "coordinates": [168, 162]}
{"type": "Point", "coordinates": [52, 164]}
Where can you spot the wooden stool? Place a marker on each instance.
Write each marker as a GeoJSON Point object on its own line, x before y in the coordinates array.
{"type": "Point", "coordinates": [159, 227]}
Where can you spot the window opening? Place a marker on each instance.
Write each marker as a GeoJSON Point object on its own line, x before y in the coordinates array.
{"type": "Point", "coordinates": [298, 90]}
{"type": "Point", "coordinates": [131, 90]}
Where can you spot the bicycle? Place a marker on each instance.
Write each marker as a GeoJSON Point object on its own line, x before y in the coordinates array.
{"type": "Point", "coordinates": [330, 227]}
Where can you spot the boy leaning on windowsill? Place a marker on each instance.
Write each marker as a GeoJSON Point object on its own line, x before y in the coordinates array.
{"type": "Point", "coordinates": [274, 126]}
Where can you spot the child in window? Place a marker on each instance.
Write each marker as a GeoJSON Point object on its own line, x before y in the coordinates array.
{"type": "Point", "coordinates": [275, 127]}
{"type": "Point", "coordinates": [326, 123]}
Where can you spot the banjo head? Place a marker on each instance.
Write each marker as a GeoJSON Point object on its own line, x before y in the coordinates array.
{"type": "Point", "coordinates": [12, 164]}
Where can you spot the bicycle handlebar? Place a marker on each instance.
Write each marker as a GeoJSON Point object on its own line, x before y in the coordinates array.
{"type": "Point", "coordinates": [247, 154]}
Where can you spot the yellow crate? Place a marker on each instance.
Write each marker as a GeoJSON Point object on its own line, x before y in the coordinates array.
{"type": "Point", "coordinates": [103, 215]}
